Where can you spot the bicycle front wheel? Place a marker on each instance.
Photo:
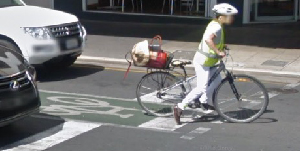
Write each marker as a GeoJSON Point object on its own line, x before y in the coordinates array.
{"type": "Point", "coordinates": [241, 100]}
{"type": "Point", "coordinates": [158, 92]}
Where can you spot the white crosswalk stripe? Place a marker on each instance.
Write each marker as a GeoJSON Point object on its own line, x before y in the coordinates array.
{"type": "Point", "coordinates": [162, 124]}
{"type": "Point", "coordinates": [194, 133]}
{"type": "Point", "coordinates": [51, 137]}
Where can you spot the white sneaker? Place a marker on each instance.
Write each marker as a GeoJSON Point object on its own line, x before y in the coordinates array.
{"type": "Point", "coordinates": [207, 109]}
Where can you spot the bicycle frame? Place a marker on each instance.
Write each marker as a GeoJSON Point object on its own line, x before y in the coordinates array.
{"type": "Point", "coordinates": [221, 68]}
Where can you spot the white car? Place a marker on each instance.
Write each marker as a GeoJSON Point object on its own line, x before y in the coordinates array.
{"type": "Point", "coordinates": [44, 36]}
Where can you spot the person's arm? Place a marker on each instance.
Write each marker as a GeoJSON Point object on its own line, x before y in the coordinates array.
{"type": "Point", "coordinates": [210, 42]}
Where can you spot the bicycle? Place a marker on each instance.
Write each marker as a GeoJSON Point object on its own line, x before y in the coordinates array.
{"type": "Point", "coordinates": [158, 91]}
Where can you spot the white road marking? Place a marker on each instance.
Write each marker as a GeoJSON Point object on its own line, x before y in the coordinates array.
{"type": "Point", "coordinates": [87, 95]}
{"type": "Point", "coordinates": [272, 95]}
{"type": "Point", "coordinates": [217, 121]}
{"type": "Point", "coordinates": [51, 137]}
{"type": "Point", "coordinates": [267, 71]}
{"type": "Point", "coordinates": [77, 106]}
{"type": "Point", "coordinates": [152, 98]}
{"type": "Point", "coordinates": [290, 86]}
{"type": "Point", "coordinates": [82, 57]}
{"type": "Point", "coordinates": [198, 131]}
{"type": "Point", "coordinates": [162, 123]}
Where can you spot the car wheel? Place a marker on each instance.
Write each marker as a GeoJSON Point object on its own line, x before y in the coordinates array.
{"type": "Point", "coordinates": [64, 63]}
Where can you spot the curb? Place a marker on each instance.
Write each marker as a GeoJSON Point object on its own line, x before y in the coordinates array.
{"type": "Point", "coordinates": [91, 60]}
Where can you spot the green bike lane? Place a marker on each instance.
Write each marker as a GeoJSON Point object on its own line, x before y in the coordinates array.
{"type": "Point", "coordinates": [79, 93]}
{"type": "Point", "coordinates": [93, 108]}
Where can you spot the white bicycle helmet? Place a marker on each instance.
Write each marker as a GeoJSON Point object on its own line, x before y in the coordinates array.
{"type": "Point", "coordinates": [225, 9]}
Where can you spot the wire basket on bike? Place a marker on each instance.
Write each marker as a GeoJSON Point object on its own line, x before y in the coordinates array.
{"type": "Point", "coordinates": [150, 55]}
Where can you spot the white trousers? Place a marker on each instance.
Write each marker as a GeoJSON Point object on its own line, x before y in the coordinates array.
{"type": "Point", "coordinates": [202, 91]}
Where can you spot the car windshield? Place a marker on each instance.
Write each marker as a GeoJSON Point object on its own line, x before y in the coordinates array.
{"type": "Point", "coordinates": [7, 3]}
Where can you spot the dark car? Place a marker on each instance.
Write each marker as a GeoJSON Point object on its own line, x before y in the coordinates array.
{"type": "Point", "coordinates": [19, 95]}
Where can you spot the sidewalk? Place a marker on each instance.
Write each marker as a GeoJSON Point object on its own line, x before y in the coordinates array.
{"type": "Point", "coordinates": [110, 48]}
{"type": "Point", "coordinates": [264, 47]}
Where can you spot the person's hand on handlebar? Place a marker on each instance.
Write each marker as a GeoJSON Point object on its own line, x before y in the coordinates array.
{"type": "Point", "coordinates": [226, 47]}
{"type": "Point", "coordinates": [212, 45]}
{"type": "Point", "coordinates": [222, 54]}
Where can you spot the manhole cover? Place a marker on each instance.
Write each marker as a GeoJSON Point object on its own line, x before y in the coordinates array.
{"type": "Point", "coordinates": [283, 91]}
{"type": "Point", "coordinates": [274, 63]}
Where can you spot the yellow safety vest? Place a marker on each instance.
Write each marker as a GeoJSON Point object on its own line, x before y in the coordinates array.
{"type": "Point", "coordinates": [211, 57]}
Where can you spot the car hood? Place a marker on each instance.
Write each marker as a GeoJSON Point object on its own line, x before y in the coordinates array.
{"type": "Point", "coordinates": [11, 62]}
{"type": "Point", "coordinates": [33, 16]}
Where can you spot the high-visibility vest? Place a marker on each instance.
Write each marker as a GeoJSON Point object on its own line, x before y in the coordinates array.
{"type": "Point", "coordinates": [212, 57]}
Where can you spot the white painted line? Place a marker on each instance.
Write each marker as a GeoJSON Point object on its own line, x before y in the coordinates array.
{"type": "Point", "coordinates": [162, 123]}
{"type": "Point", "coordinates": [272, 95]}
{"type": "Point", "coordinates": [290, 86]}
{"type": "Point", "coordinates": [267, 71]}
{"type": "Point", "coordinates": [217, 122]}
{"type": "Point", "coordinates": [87, 95]}
{"type": "Point", "coordinates": [51, 137]}
{"type": "Point", "coordinates": [90, 58]}
{"type": "Point", "coordinates": [198, 131]}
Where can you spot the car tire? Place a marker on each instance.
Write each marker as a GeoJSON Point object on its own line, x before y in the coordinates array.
{"type": "Point", "coordinates": [10, 45]}
{"type": "Point", "coordinates": [64, 63]}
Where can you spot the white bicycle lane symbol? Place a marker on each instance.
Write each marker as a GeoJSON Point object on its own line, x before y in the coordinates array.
{"type": "Point", "coordinates": [77, 106]}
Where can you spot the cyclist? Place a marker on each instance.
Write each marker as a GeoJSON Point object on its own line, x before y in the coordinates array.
{"type": "Point", "coordinates": [210, 49]}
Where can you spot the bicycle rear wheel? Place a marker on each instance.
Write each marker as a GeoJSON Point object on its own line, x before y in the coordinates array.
{"type": "Point", "coordinates": [246, 105]}
{"type": "Point", "coordinates": [157, 93]}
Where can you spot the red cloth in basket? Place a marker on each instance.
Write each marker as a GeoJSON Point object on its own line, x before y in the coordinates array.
{"type": "Point", "coordinates": [158, 60]}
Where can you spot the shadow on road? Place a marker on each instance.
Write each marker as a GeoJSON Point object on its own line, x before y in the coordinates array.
{"type": "Point", "coordinates": [73, 72]}
{"type": "Point", "coordinates": [28, 127]}
{"type": "Point", "coordinates": [265, 120]}
{"type": "Point", "coordinates": [212, 118]}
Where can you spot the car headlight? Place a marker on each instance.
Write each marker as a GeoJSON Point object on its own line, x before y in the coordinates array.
{"type": "Point", "coordinates": [38, 32]}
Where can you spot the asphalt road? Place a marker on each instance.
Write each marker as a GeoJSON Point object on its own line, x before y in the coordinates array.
{"type": "Point", "coordinates": [92, 108]}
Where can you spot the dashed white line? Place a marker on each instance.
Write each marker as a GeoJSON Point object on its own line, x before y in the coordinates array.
{"type": "Point", "coordinates": [272, 95]}
{"type": "Point", "coordinates": [198, 131]}
{"type": "Point", "coordinates": [217, 122]}
{"type": "Point", "coordinates": [87, 95]}
{"type": "Point", "coordinates": [290, 86]}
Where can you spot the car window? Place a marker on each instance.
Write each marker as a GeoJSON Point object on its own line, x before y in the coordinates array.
{"type": "Point", "coordinates": [7, 3]}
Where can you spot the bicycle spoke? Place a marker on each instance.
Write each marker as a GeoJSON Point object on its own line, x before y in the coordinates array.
{"type": "Point", "coordinates": [155, 95]}
{"type": "Point", "coordinates": [251, 103]}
